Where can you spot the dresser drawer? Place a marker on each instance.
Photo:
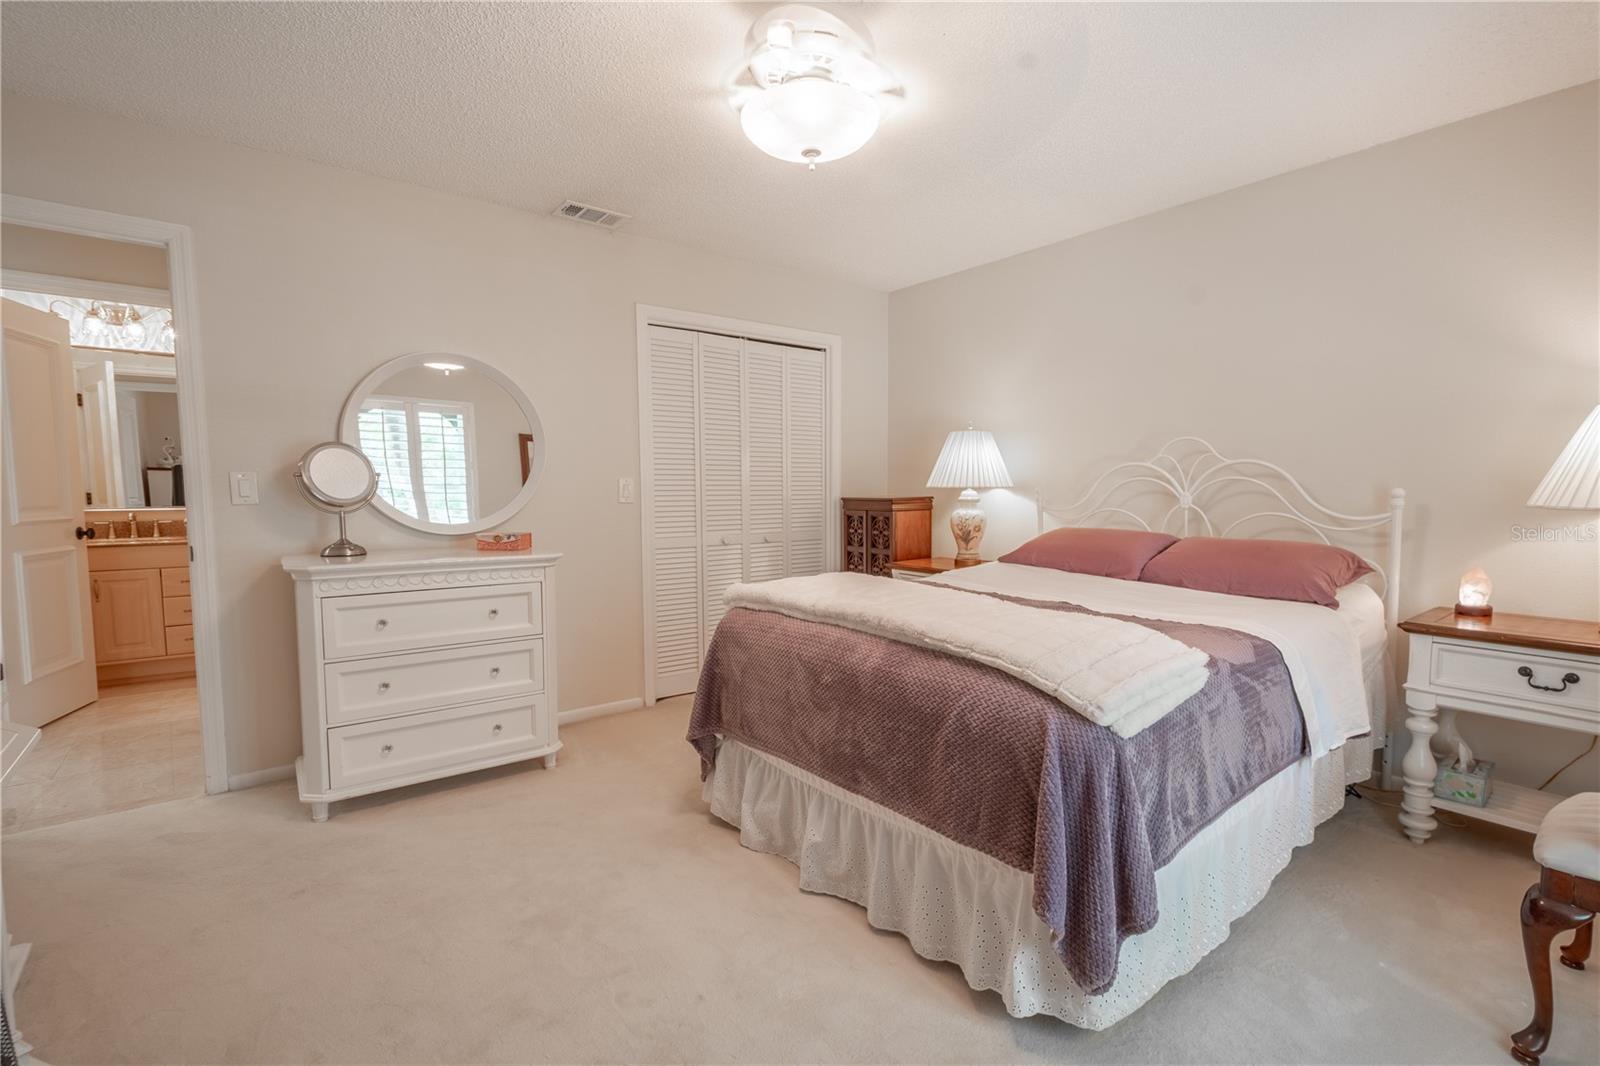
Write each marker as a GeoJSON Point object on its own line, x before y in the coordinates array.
{"type": "Point", "coordinates": [1567, 681]}
{"type": "Point", "coordinates": [435, 740]}
{"type": "Point", "coordinates": [431, 618]}
{"type": "Point", "coordinates": [359, 689]}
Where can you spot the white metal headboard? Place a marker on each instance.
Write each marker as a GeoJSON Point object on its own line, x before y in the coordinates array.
{"type": "Point", "coordinates": [1189, 476]}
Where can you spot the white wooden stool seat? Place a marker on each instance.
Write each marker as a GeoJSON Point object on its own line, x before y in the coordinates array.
{"type": "Point", "coordinates": [1569, 837]}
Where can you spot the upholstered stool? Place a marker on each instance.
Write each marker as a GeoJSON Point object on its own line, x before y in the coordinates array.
{"type": "Point", "coordinates": [1566, 897]}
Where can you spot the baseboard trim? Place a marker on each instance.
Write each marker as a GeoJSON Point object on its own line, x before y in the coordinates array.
{"type": "Point", "coordinates": [260, 777]}
{"type": "Point", "coordinates": [599, 710]}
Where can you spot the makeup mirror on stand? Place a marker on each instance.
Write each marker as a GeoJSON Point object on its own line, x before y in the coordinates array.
{"type": "Point", "coordinates": [338, 479]}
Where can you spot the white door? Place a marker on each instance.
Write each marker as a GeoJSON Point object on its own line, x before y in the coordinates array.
{"type": "Point", "coordinates": [722, 476]}
{"type": "Point", "coordinates": [805, 453]}
{"type": "Point", "coordinates": [98, 383]}
{"type": "Point", "coordinates": [44, 567]}
{"type": "Point", "coordinates": [734, 448]}
{"type": "Point", "coordinates": [670, 500]}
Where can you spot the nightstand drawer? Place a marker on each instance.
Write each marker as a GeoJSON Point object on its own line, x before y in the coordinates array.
{"type": "Point", "coordinates": [1564, 680]}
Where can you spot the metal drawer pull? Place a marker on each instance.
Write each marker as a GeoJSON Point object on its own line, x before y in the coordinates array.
{"type": "Point", "coordinates": [494, 671]}
{"type": "Point", "coordinates": [383, 623]}
{"type": "Point", "coordinates": [386, 749]}
{"type": "Point", "coordinates": [1527, 672]}
{"type": "Point", "coordinates": [498, 727]}
{"type": "Point", "coordinates": [383, 686]}
{"type": "Point", "coordinates": [494, 612]}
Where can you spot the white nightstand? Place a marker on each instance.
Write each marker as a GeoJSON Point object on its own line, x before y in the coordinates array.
{"type": "Point", "coordinates": [1523, 667]}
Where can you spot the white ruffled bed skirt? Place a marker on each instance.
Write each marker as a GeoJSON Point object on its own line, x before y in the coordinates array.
{"type": "Point", "coordinates": [959, 905]}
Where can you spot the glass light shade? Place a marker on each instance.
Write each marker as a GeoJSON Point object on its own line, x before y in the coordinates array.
{"type": "Point", "coordinates": [134, 330]}
{"type": "Point", "coordinates": [92, 322]}
{"type": "Point", "coordinates": [809, 120]}
{"type": "Point", "coordinates": [1475, 588]}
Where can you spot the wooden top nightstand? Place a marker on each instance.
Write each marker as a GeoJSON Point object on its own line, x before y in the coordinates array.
{"type": "Point", "coordinates": [1526, 668]}
{"type": "Point", "coordinates": [917, 569]}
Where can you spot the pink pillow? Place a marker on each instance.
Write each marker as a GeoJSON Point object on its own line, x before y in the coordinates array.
{"type": "Point", "coordinates": [1107, 552]}
{"type": "Point", "coordinates": [1270, 569]}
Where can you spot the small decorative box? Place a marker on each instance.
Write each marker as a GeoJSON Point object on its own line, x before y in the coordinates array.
{"type": "Point", "coordinates": [1470, 787]}
{"type": "Point", "coordinates": [505, 542]}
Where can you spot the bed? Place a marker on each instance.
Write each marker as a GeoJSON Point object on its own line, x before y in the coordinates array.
{"type": "Point", "coordinates": [1072, 865]}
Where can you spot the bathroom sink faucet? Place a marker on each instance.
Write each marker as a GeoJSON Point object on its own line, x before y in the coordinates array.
{"type": "Point", "coordinates": [133, 527]}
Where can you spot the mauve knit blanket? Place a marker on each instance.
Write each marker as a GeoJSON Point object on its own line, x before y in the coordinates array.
{"type": "Point", "coordinates": [993, 763]}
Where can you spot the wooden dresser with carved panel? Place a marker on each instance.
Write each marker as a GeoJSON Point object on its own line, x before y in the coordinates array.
{"type": "Point", "coordinates": [880, 531]}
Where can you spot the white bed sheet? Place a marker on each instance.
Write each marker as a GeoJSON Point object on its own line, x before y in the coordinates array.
{"type": "Point", "coordinates": [1326, 651]}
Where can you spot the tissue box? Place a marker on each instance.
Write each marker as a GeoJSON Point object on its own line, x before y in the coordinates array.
{"type": "Point", "coordinates": [505, 542]}
{"type": "Point", "coordinates": [1473, 788]}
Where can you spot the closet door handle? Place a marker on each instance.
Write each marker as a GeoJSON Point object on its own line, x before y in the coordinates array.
{"type": "Point", "coordinates": [84, 534]}
{"type": "Point", "coordinates": [95, 585]}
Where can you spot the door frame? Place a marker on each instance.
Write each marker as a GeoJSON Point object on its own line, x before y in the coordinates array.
{"type": "Point", "coordinates": [831, 344]}
{"type": "Point", "coordinates": [178, 240]}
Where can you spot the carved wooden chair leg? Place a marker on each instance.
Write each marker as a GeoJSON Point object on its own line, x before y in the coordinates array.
{"type": "Point", "coordinates": [1576, 953]}
{"type": "Point", "coordinates": [1543, 919]}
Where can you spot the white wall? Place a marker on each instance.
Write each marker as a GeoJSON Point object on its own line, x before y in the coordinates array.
{"type": "Point", "coordinates": [310, 276]}
{"type": "Point", "coordinates": [1422, 314]}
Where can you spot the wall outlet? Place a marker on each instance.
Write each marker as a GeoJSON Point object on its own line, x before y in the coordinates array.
{"type": "Point", "coordinates": [624, 490]}
{"type": "Point", "coordinates": [242, 488]}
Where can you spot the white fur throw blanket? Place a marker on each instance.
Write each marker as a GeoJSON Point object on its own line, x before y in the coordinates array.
{"type": "Point", "coordinates": [1117, 674]}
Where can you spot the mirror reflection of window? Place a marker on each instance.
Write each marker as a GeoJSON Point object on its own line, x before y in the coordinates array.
{"type": "Point", "coordinates": [422, 452]}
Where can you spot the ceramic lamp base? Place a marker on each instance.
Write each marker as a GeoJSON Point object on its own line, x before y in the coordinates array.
{"type": "Point", "coordinates": [966, 525]}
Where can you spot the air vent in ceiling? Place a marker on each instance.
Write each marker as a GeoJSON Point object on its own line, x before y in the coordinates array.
{"type": "Point", "coordinates": [594, 216]}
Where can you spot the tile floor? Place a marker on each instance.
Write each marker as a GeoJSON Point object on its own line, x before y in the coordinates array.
{"type": "Point", "coordinates": [136, 744]}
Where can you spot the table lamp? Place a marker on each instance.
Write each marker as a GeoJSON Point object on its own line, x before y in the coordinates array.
{"type": "Point", "coordinates": [1573, 483]}
{"type": "Point", "coordinates": [969, 461]}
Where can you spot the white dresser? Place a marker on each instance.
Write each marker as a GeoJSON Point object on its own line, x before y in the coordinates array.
{"type": "Point", "coordinates": [416, 665]}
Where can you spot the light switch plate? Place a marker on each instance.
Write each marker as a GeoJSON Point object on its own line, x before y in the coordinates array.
{"type": "Point", "coordinates": [242, 488]}
{"type": "Point", "coordinates": [624, 490]}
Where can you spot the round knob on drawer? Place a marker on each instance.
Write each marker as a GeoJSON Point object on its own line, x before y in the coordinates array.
{"type": "Point", "coordinates": [383, 623]}
{"type": "Point", "coordinates": [494, 612]}
{"type": "Point", "coordinates": [386, 749]}
{"type": "Point", "coordinates": [383, 686]}
{"type": "Point", "coordinates": [497, 727]}
{"type": "Point", "coordinates": [494, 671]}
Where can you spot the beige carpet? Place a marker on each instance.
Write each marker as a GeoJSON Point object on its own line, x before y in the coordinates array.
{"type": "Point", "coordinates": [596, 913]}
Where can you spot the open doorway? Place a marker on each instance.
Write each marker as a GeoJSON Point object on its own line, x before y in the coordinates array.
{"type": "Point", "coordinates": [100, 538]}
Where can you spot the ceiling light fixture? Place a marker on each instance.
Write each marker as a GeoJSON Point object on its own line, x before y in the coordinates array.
{"type": "Point", "coordinates": [98, 324]}
{"type": "Point", "coordinates": [811, 91]}
{"type": "Point", "coordinates": [445, 367]}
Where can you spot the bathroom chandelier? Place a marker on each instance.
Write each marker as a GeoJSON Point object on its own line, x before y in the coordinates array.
{"type": "Point", "coordinates": [101, 324]}
{"type": "Point", "coordinates": [811, 91]}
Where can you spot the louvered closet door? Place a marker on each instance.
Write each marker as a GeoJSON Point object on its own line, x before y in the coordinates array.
{"type": "Point", "coordinates": [674, 509]}
{"type": "Point", "coordinates": [805, 459]}
{"type": "Point", "coordinates": [722, 475]}
{"type": "Point", "coordinates": [766, 556]}
{"type": "Point", "coordinates": [737, 482]}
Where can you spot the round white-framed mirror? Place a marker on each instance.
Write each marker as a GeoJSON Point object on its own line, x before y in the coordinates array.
{"type": "Point", "coordinates": [457, 447]}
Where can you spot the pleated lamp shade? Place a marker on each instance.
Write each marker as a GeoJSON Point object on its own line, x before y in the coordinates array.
{"type": "Point", "coordinates": [1573, 483]}
{"type": "Point", "coordinates": [969, 460]}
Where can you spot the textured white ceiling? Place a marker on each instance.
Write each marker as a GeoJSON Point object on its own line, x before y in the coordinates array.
{"type": "Point", "coordinates": [1023, 124]}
